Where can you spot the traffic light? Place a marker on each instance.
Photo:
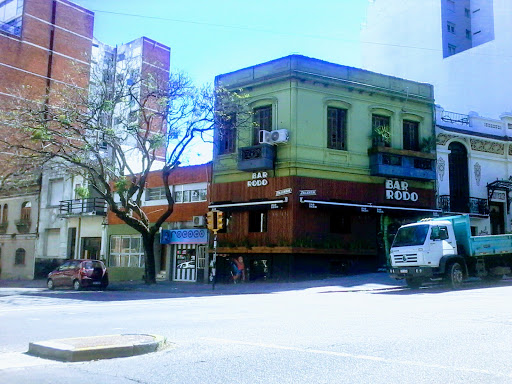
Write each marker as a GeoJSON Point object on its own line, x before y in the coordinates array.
{"type": "Point", "coordinates": [211, 220]}
{"type": "Point", "coordinates": [220, 220]}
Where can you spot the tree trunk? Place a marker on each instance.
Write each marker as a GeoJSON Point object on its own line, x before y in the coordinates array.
{"type": "Point", "coordinates": [148, 241]}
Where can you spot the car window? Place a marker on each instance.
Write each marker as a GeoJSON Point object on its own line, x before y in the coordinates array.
{"type": "Point", "coordinates": [64, 266]}
{"type": "Point", "coordinates": [74, 264]}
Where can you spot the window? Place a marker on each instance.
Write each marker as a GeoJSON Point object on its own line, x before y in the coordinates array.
{"type": "Point", "coordinates": [468, 34]}
{"type": "Point", "coordinates": [56, 191]}
{"type": "Point", "coordinates": [19, 257]}
{"type": "Point", "coordinates": [189, 193]}
{"type": "Point", "coordinates": [257, 221]}
{"type": "Point", "coordinates": [336, 128]}
{"type": "Point", "coordinates": [381, 130]}
{"type": "Point", "coordinates": [5, 213]}
{"type": "Point", "coordinates": [52, 243]}
{"type": "Point", "coordinates": [227, 134]}
{"type": "Point", "coordinates": [25, 211]}
{"type": "Point", "coordinates": [450, 27]}
{"type": "Point", "coordinates": [126, 251]}
{"type": "Point", "coordinates": [262, 118]}
{"type": "Point", "coordinates": [452, 49]}
{"type": "Point", "coordinates": [410, 135]}
{"type": "Point", "coordinates": [155, 193]}
{"type": "Point", "coordinates": [11, 12]}
{"type": "Point", "coordinates": [467, 13]}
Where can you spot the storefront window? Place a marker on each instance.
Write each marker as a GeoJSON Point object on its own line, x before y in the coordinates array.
{"type": "Point", "coordinates": [126, 251]}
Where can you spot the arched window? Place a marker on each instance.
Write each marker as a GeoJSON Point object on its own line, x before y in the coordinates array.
{"type": "Point", "coordinates": [5, 213]}
{"type": "Point", "coordinates": [25, 211]}
{"type": "Point", "coordinates": [19, 257]}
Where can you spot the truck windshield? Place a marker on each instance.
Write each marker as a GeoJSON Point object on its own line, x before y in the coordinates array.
{"type": "Point", "coordinates": [414, 235]}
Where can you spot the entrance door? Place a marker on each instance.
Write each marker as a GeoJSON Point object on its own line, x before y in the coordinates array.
{"type": "Point", "coordinates": [185, 268]}
{"type": "Point", "coordinates": [497, 216]}
{"type": "Point", "coordinates": [459, 178]}
{"type": "Point", "coordinates": [91, 247]}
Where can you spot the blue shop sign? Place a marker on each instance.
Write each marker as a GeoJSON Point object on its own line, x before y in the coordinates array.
{"type": "Point", "coordinates": [184, 236]}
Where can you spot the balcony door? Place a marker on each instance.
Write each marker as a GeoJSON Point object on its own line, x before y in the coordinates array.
{"type": "Point", "coordinates": [459, 177]}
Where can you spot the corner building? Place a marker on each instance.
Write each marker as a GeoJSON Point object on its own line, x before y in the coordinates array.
{"type": "Point", "coordinates": [330, 162]}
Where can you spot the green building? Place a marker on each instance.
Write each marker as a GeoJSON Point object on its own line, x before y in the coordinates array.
{"type": "Point", "coordinates": [331, 161]}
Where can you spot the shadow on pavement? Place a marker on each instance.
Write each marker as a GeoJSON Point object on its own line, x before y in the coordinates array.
{"type": "Point", "coordinates": [123, 291]}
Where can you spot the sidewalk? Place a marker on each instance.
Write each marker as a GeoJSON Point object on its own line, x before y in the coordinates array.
{"type": "Point", "coordinates": [379, 280]}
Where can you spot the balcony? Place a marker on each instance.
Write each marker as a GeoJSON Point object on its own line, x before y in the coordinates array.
{"type": "Point", "coordinates": [23, 225]}
{"type": "Point", "coordinates": [92, 206]}
{"type": "Point", "coordinates": [390, 162]}
{"type": "Point", "coordinates": [473, 205]}
{"type": "Point", "coordinates": [256, 158]}
{"type": "Point", "coordinates": [454, 118]}
{"type": "Point", "coordinates": [3, 227]}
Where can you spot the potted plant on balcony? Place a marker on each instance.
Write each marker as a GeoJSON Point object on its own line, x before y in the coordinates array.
{"type": "Point", "coordinates": [381, 136]}
{"type": "Point", "coordinates": [23, 225]}
{"type": "Point", "coordinates": [3, 227]}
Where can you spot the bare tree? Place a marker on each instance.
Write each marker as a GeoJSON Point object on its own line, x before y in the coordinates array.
{"type": "Point", "coordinates": [113, 135]}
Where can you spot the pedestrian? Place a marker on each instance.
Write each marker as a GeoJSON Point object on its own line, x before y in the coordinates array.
{"type": "Point", "coordinates": [238, 266]}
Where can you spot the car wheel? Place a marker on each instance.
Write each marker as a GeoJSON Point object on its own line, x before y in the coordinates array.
{"type": "Point", "coordinates": [50, 284]}
{"type": "Point", "coordinates": [455, 275]}
{"type": "Point", "coordinates": [413, 283]}
{"type": "Point", "coordinates": [76, 285]}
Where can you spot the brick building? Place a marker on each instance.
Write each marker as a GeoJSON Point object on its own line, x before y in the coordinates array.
{"type": "Point", "coordinates": [41, 43]}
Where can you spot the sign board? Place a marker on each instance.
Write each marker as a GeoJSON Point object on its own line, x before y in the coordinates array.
{"type": "Point", "coordinates": [184, 236]}
{"type": "Point", "coordinates": [283, 192]}
{"type": "Point", "coordinates": [259, 179]}
{"type": "Point", "coordinates": [399, 190]}
{"type": "Point", "coordinates": [307, 192]}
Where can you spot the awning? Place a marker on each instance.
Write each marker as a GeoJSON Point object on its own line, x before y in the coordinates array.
{"type": "Point", "coordinates": [367, 207]}
{"type": "Point", "coordinates": [500, 185]}
{"type": "Point", "coordinates": [247, 205]}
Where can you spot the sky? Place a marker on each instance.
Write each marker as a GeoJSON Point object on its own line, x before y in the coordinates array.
{"type": "Point", "coordinates": [209, 37]}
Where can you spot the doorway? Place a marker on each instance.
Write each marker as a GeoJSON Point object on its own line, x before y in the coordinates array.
{"type": "Point", "coordinates": [497, 216]}
{"type": "Point", "coordinates": [91, 247]}
{"type": "Point", "coordinates": [459, 178]}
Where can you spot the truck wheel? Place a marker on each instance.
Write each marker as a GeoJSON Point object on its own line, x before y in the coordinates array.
{"type": "Point", "coordinates": [413, 283]}
{"type": "Point", "coordinates": [455, 275]}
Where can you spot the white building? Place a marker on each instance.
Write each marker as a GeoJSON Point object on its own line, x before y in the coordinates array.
{"type": "Point", "coordinates": [474, 169]}
{"type": "Point", "coordinates": [18, 232]}
{"type": "Point", "coordinates": [462, 47]}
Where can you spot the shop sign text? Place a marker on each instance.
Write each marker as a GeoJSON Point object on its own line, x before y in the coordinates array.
{"type": "Point", "coordinates": [259, 179]}
{"type": "Point", "coordinates": [399, 190]}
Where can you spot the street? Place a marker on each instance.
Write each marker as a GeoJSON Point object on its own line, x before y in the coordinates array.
{"type": "Point", "coordinates": [356, 329]}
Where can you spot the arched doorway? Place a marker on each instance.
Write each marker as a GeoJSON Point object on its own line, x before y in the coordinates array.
{"type": "Point", "coordinates": [459, 177]}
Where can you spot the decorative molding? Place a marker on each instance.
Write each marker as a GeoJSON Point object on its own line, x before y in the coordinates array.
{"type": "Point", "coordinates": [487, 146]}
{"type": "Point", "coordinates": [478, 173]}
{"type": "Point", "coordinates": [441, 165]}
{"type": "Point", "coordinates": [443, 138]}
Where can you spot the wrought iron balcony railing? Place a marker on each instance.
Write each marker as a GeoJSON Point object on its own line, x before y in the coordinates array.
{"type": "Point", "coordinates": [455, 118]}
{"type": "Point", "coordinates": [92, 206]}
{"type": "Point", "coordinates": [471, 205]}
{"type": "Point", "coordinates": [390, 162]}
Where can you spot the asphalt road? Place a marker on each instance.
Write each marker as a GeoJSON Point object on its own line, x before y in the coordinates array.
{"type": "Point", "coordinates": [363, 329]}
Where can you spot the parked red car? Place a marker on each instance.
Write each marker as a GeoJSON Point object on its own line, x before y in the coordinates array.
{"type": "Point", "coordinates": [79, 274]}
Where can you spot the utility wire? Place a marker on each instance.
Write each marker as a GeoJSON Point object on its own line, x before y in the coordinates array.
{"type": "Point", "coordinates": [271, 31]}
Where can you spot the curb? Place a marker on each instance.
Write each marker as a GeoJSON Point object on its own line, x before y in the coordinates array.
{"type": "Point", "coordinates": [97, 347]}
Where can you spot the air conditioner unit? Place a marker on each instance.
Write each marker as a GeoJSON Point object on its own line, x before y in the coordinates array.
{"type": "Point", "coordinates": [198, 221]}
{"type": "Point", "coordinates": [265, 137]}
{"type": "Point", "coordinates": [279, 136]}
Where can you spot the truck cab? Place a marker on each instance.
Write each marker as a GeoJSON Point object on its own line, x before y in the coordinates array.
{"type": "Point", "coordinates": [418, 250]}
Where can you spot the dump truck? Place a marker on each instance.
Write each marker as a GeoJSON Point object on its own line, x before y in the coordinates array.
{"type": "Point", "coordinates": [442, 249]}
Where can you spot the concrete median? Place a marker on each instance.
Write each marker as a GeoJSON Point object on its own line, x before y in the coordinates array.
{"type": "Point", "coordinates": [97, 347]}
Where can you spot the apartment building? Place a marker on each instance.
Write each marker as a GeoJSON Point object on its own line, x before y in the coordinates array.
{"type": "Point", "coordinates": [462, 47]}
{"type": "Point", "coordinates": [41, 43]}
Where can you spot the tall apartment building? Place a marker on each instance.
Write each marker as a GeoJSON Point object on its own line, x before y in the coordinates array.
{"type": "Point", "coordinates": [75, 227]}
{"type": "Point", "coordinates": [41, 41]}
{"type": "Point", "coordinates": [462, 47]}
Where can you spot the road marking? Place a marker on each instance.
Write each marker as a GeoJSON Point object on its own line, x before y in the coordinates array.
{"type": "Point", "coordinates": [360, 357]}
{"type": "Point", "coordinates": [22, 360]}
